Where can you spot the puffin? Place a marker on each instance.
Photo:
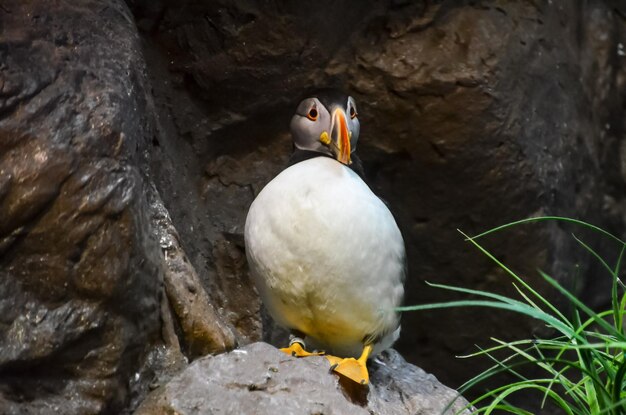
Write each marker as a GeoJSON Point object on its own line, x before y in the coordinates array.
{"type": "Point", "coordinates": [324, 252]}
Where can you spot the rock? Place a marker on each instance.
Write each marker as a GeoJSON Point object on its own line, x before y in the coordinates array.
{"type": "Point", "coordinates": [203, 331]}
{"type": "Point", "coordinates": [260, 379]}
{"type": "Point", "coordinates": [80, 269]}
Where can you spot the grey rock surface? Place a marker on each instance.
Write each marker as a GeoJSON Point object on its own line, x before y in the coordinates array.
{"type": "Point", "coordinates": [259, 379]}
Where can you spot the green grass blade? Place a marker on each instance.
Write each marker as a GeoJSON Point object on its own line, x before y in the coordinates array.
{"type": "Point", "coordinates": [595, 255]}
{"type": "Point", "coordinates": [579, 304]}
{"type": "Point", "coordinates": [508, 409]}
{"type": "Point", "coordinates": [500, 346]}
{"type": "Point", "coordinates": [615, 278]}
{"type": "Point", "coordinates": [621, 404]}
{"type": "Point", "coordinates": [615, 405]}
{"type": "Point", "coordinates": [523, 283]}
{"type": "Point", "coordinates": [471, 291]}
{"type": "Point", "coordinates": [503, 364]}
{"type": "Point", "coordinates": [586, 365]}
{"type": "Point", "coordinates": [526, 297]}
{"type": "Point", "coordinates": [617, 315]}
{"type": "Point", "coordinates": [595, 346]}
{"type": "Point", "coordinates": [549, 218]}
{"type": "Point", "coordinates": [519, 307]}
{"type": "Point", "coordinates": [618, 264]}
{"type": "Point", "coordinates": [539, 362]}
{"type": "Point", "coordinates": [516, 387]}
{"type": "Point", "coordinates": [558, 375]}
{"type": "Point", "coordinates": [548, 364]}
{"type": "Point", "coordinates": [622, 307]}
{"type": "Point", "coordinates": [618, 384]}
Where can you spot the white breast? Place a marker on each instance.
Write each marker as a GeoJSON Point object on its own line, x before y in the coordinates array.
{"type": "Point", "coordinates": [326, 256]}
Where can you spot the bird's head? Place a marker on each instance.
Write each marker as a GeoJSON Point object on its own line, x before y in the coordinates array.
{"type": "Point", "coordinates": [327, 123]}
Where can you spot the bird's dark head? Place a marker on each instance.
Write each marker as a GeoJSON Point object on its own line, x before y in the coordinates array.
{"type": "Point", "coordinates": [327, 122]}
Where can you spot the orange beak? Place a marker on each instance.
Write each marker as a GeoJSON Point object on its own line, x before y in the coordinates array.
{"type": "Point", "coordinates": [340, 137]}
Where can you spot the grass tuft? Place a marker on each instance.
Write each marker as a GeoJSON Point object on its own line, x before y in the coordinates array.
{"type": "Point", "coordinates": [582, 369]}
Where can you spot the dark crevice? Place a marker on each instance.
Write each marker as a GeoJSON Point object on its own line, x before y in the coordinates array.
{"type": "Point", "coordinates": [437, 150]}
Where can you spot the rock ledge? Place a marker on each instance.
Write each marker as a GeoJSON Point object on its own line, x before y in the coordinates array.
{"type": "Point", "coordinates": [259, 379]}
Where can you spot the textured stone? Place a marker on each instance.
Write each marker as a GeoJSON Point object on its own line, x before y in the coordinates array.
{"type": "Point", "coordinates": [260, 379]}
{"type": "Point", "coordinates": [203, 332]}
{"type": "Point", "coordinates": [80, 271]}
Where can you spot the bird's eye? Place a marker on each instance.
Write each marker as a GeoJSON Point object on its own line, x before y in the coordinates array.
{"type": "Point", "coordinates": [352, 112]}
{"type": "Point", "coordinates": [312, 115]}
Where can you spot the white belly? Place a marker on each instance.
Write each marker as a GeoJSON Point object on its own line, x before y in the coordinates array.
{"type": "Point", "coordinates": [327, 256]}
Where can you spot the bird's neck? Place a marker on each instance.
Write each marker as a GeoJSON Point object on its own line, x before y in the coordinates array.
{"type": "Point", "coordinates": [300, 155]}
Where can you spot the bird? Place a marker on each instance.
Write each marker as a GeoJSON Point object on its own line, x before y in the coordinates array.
{"type": "Point", "coordinates": [324, 252]}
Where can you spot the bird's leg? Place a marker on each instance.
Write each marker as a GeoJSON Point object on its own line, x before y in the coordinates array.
{"type": "Point", "coordinates": [354, 369]}
{"type": "Point", "coordinates": [296, 348]}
